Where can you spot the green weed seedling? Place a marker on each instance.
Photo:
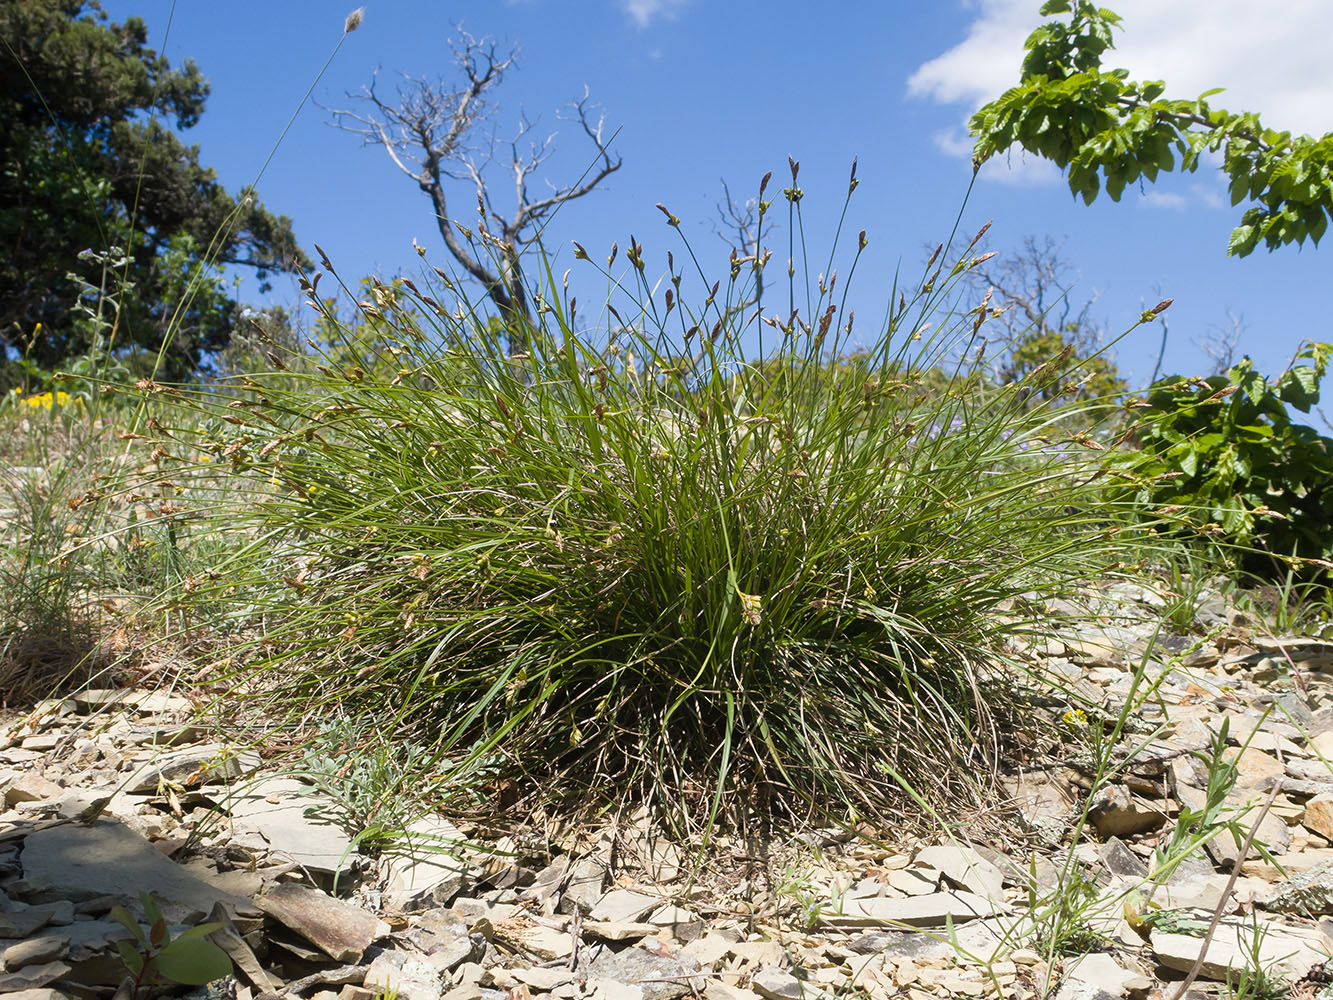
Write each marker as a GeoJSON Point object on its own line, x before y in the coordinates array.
{"type": "Point", "coordinates": [188, 959]}
{"type": "Point", "coordinates": [1259, 979]}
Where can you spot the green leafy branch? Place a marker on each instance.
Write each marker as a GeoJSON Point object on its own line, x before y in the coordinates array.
{"type": "Point", "coordinates": [1105, 128]}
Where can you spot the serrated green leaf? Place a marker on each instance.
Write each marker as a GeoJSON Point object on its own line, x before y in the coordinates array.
{"type": "Point", "coordinates": [1189, 463]}
{"type": "Point", "coordinates": [1242, 241]}
{"type": "Point", "coordinates": [1300, 388]}
{"type": "Point", "coordinates": [1052, 7]}
{"type": "Point", "coordinates": [193, 962]}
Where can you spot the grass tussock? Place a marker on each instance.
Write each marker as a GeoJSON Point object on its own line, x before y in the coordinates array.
{"type": "Point", "coordinates": [674, 553]}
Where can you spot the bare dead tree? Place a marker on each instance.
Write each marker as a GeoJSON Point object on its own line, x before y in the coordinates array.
{"type": "Point", "coordinates": [1220, 344]}
{"type": "Point", "coordinates": [739, 229]}
{"type": "Point", "coordinates": [1032, 286]}
{"type": "Point", "coordinates": [432, 133]}
{"type": "Point", "coordinates": [737, 225]}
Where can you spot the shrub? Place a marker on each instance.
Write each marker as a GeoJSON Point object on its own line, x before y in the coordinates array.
{"type": "Point", "coordinates": [1225, 452]}
{"type": "Point", "coordinates": [724, 567]}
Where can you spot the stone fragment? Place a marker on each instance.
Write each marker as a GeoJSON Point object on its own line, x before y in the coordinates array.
{"type": "Point", "coordinates": [1253, 765]}
{"type": "Point", "coordinates": [275, 808]}
{"type": "Point", "coordinates": [1095, 976]}
{"type": "Point", "coordinates": [584, 886]}
{"type": "Point", "coordinates": [1310, 770]}
{"type": "Point", "coordinates": [546, 943]}
{"type": "Point", "coordinates": [104, 858]}
{"type": "Point", "coordinates": [35, 951]}
{"type": "Point", "coordinates": [471, 909]}
{"type": "Point", "coordinates": [543, 979]}
{"type": "Point", "coordinates": [453, 951]}
{"type": "Point", "coordinates": [1309, 894]}
{"type": "Point", "coordinates": [774, 984]}
{"type": "Point", "coordinates": [913, 911]}
{"type": "Point", "coordinates": [914, 881]}
{"type": "Point", "coordinates": [610, 931]}
{"type": "Point", "coordinates": [340, 930]}
{"type": "Point", "coordinates": [1223, 848]}
{"type": "Point", "coordinates": [708, 949]}
{"type": "Point", "coordinates": [191, 767]}
{"type": "Point", "coordinates": [44, 993]}
{"type": "Point", "coordinates": [472, 991]}
{"type": "Point", "coordinates": [659, 977]}
{"type": "Point", "coordinates": [1114, 812]}
{"type": "Point", "coordinates": [1120, 860]}
{"type": "Point", "coordinates": [29, 787]}
{"type": "Point", "coordinates": [32, 977]}
{"type": "Point", "coordinates": [21, 923]}
{"type": "Point", "coordinates": [623, 906]}
{"type": "Point", "coordinates": [1319, 815]}
{"type": "Point", "coordinates": [1284, 953]}
{"type": "Point", "coordinates": [965, 868]}
{"type": "Point", "coordinates": [89, 937]}
{"type": "Point", "coordinates": [1043, 803]}
{"type": "Point", "coordinates": [242, 957]}
{"type": "Point", "coordinates": [718, 990]}
{"type": "Point", "coordinates": [609, 989]}
{"type": "Point", "coordinates": [430, 870]}
{"type": "Point", "coordinates": [408, 977]}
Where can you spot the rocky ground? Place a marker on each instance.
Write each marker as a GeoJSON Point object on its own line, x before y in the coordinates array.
{"type": "Point", "coordinates": [110, 793]}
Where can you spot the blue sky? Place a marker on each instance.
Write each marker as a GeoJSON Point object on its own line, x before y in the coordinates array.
{"type": "Point", "coordinates": [707, 90]}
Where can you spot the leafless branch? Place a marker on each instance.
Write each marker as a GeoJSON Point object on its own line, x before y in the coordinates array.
{"type": "Point", "coordinates": [432, 133]}
{"type": "Point", "coordinates": [1220, 344]}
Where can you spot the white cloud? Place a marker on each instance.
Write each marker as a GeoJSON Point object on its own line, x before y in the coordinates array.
{"type": "Point", "coordinates": [644, 12]}
{"type": "Point", "coordinates": [1170, 200]}
{"type": "Point", "coordinates": [1271, 57]}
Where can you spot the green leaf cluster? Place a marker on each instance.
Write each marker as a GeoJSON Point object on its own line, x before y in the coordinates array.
{"type": "Point", "coordinates": [1226, 450]}
{"type": "Point", "coordinates": [1107, 130]}
{"type": "Point", "coordinates": [87, 163]}
{"type": "Point", "coordinates": [189, 959]}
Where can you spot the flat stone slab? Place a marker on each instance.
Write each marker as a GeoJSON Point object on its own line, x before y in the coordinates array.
{"type": "Point", "coordinates": [913, 911]}
{"type": "Point", "coordinates": [623, 906]}
{"type": "Point", "coordinates": [1286, 954]}
{"type": "Point", "coordinates": [33, 977]}
{"type": "Point", "coordinates": [340, 930]}
{"type": "Point", "coordinates": [275, 809]}
{"type": "Point", "coordinates": [430, 867]}
{"type": "Point", "coordinates": [190, 767]}
{"type": "Point", "coordinates": [659, 977]}
{"type": "Point", "coordinates": [108, 859]}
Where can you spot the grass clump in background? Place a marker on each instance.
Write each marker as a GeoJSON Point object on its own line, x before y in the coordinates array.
{"type": "Point", "coordinates": [723, 565]}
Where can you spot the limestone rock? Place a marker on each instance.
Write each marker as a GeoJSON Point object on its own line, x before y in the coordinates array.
{"type": "Point", "coordinates": [913, 911]}
{"type": "Point", "coordinates": [104, 858]}
{"type": "Point", "coordinates": [1096, 976]}
{"type": "Point", "coordinates": [35, 951]}
{"type": "Point", "coordinates": [660, 977]}
{"type": "Point", "coordinates": [965, 868]}
{"type": "Point", "coordinates": [774, 984]}
{"type": "Point", "coordinates": [1117, 813]}
{"type": "Point", "coordinates": [340, 930]}
{"type": "Point", "coordinates": [32, 977]}
{"type": "Point", "coordinates": [410, 978]}
{"type": "Point", "coordinates": [1288, 955]}
{"type": "Point", "coordinates": [623, 906]}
